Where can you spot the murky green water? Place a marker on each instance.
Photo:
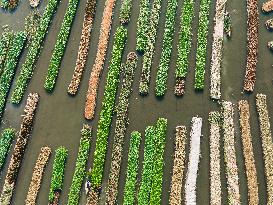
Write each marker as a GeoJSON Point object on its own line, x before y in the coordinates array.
{"type": "Point", "coordinates": [60, 117]}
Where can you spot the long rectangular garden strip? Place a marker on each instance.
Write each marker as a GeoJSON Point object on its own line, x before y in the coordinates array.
{"type": "Point", "coordinates": [37, 175]}
{"type": "Point", "coordinates": [33, 52]}
{"type": "Point", "coordinates": [107, 110]}
{"type": "Point", "coordinates": [5, 43]}
{"type": "Point", "coordinates": [230, 154]}
{"type": "Point", "coordinates": [89, 15]}
{"type": "Point", "coordinates": [178, 165]}
{"type": "Point", "coordinates": [215, 160]}
{"type": "Point", "coordinates": [266, 137]}
{"type": "Point", "coordinates": [120, 127]}
{"type": "Point", "coordinates": [125, 11]}
{"type": "Point", "coordinates": [94, 79]}
{"type": "Point", "coordinates": [251, 172]}
{"type": "Point", "coordinates": [252, 44]}
{"type": "Point", "coordinates": [202, 44]}
{"type": "Point", "coordinates": [6, 78]}
{"type": "Point", "coordinates": [80, 170]}
{"type": "Point", "coordinates": [149, 49]}
{"type": "Point", "coordinates": [132, 168]}
{"type": "Point", "coordinates": [184, 46]}
{"type": "Point", "coordinates": [143, 25]}
{"type": "Point", "coordinates": [57, 175]}
{"type": "Point", "coordinates": [59, 49]}
{"type": "Point", "coordinates": [162, 72]}
{"type": "Point", "coordinates": [194, 158]}
{"type": "Point", "coordinates": [19, 149]}
{"type": "Point", "coordinates": [147, 170]}
{"type": "Point", "coordinates": [5, 143]}
{"type": "Point", "coordinates": [158, 164]}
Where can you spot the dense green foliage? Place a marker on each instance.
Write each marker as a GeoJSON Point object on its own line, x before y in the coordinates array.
{"type": "Point", "coordinates": [108, 107]}
{"type": "Point", "coordinates": [158, 162]}
{"type": "Point", "coordinates": [60, 45]}
{"type": "Point", "coordinates": [80, 172]}
{"type": "Point", "coordinates": [5, 144]}
{"type": "Point", "coordinates": [149, 48]}
{"type": "Point", "coordinates": [6, 78]}
{"type": "Point", "coordinates": [58, 171]}
{"type": "Point", "coordinates": [162, 73]}
{"type": "Point", "coordinates": [185, 37]}
{"type": "Point", "coordinates": [5, 41]}
{"type": "Point", "coordinates": [147, 171]}
{"type": "Point", "coordinates": [9, 4]}
{"type": "Point", "coordinates": [132, 168]}
{"type": "Point", "coordinates": [33, 52]}
{"type": "Point", "coordinates": [202, 44]}
{"type": "Point", "coordinates": [125, 11]}
{"type": "Point", "coordinates": [142, 25]}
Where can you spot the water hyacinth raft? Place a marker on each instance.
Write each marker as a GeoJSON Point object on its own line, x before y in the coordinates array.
{"type": "Point", "coordinates": [94, 79]}
{"type": "Point", "coordinates": [215, 170]}
{"type": "Point", "coordinates": [106, 114]}
{"type": "Point", "coordinates": [33, 52]}
{"type": "Point", "coordinates": [252, 44]}
{"type": "Point", "coordinates": [132, 169]}
{"type": "Point", "coordinates": [80, 173]}
{"type": "Point", "coordinates": [37, 175]}
{"type": "Point", "coordinates": [202, 35]}
{"type": "Point", "coordinates": [267, 6]}
{"type": "Point", "coordinates": [57, 175]}
{"type": "Point", "coordinates": [230, 154]}
{"type": "Point", "coordinates": [251, 173]}
{"type": "Point", "coordinates": [120, 127]}
{"type": "Point", "coordinates": [217, 50]}
{"type": "Point", "coordinates": [178, 165]}
{"type": "Point", "coordinates": [184, 46]}
{"type": "Point", "coordinates": [149, 49]}
{"type": "Point", "coordinates": [7, 136]}
{"type": "Point", "coordinates": [19, 149]}
{"type": "Point", "coordinates": [9, 4]}
{"type": "Point", "coordinates": [194, 158]}
{"type": "Point", "coordinates": [11, 62]}
{"type": "Point", "coordinates": [266, 137]}
{"type": "Point", "coordinates": [162, 72]}
{"type": "Point", "coordinates": [83, 47]}
{"type": "Point", "coordinates": [59, 49]}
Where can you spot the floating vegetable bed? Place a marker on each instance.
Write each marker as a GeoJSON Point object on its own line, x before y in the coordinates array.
{"type": "Point", "coordinates": [5, 143]}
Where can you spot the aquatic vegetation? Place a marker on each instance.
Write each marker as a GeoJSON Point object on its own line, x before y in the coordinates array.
{"type": "Point", "coordinates": [178, 165]}
{"type": "Point", "coordinates": [29, 65]}
{"type": "Point", "coordinates": [158, 162]}
{"type": "Point", "coordinates": [269, 24]}
{"type": "Point", "coordinates": [5, 43]}
{"type": "Point", "coordinates": [266, 137]}
{"type": "Point", "coordinates": [19, 149]}
{"type": "Point", "coordinates": [57, 175]}
{"type": "Point", "coordinates": [94, 79]}
{"type": "Point", "coordinates": [58, 52]}
{"type": "Point", "coordinates": [215, 162]}
{"type": "Point", "coordinates": [194, 158]}
{"type": "Point", "coordinates": [132, 168]}
{"type": "Point", "coordinates": [267, 6]}
{"type": "Point", "coordinates": [106, 114]}
{"type": "Point", "coordinates": [252, 44]}
{"type": "Point", "coordinates": [162, 72]}
{"type": "Point", "coordinates": [184, 46]}
{"type": "Point", "coordinates": [12, 59]}
{"type": "Point", "coordinates": [37, 175]}
{"type": "Point", "coordinates": [229, 154]}
{"type": "Point", "coordinates": [34, 3]}
{"type": "Point", "coordinates": [125, 11]}
{"type": "Point", "coordinates": [9, 4]}
{"type": "Point", "coordinates": [79, 174]}
{"type": "Point", "coordinates": [202, 44]}
{"type": "Point", "coordinates": [7, 136]}
{"type": "Point", "coordinates": [31, 24]}
{"type": "Point", "coordinates": [149, 48]}
{"type": "Point", "coordinates": [251, 173]}
{"type": "Point", "coordinates": [147, 170]}
{"type": "Point", "coordinates": [89, 15]}
{"type": "Point", "coordinates": [143, 25]}
{"type": "Point", "coordinates": [227, 24]}
{"type": "Point", "coordinates": [217, 50]}
{"type": "Point", "coordinates": [120, 128]}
